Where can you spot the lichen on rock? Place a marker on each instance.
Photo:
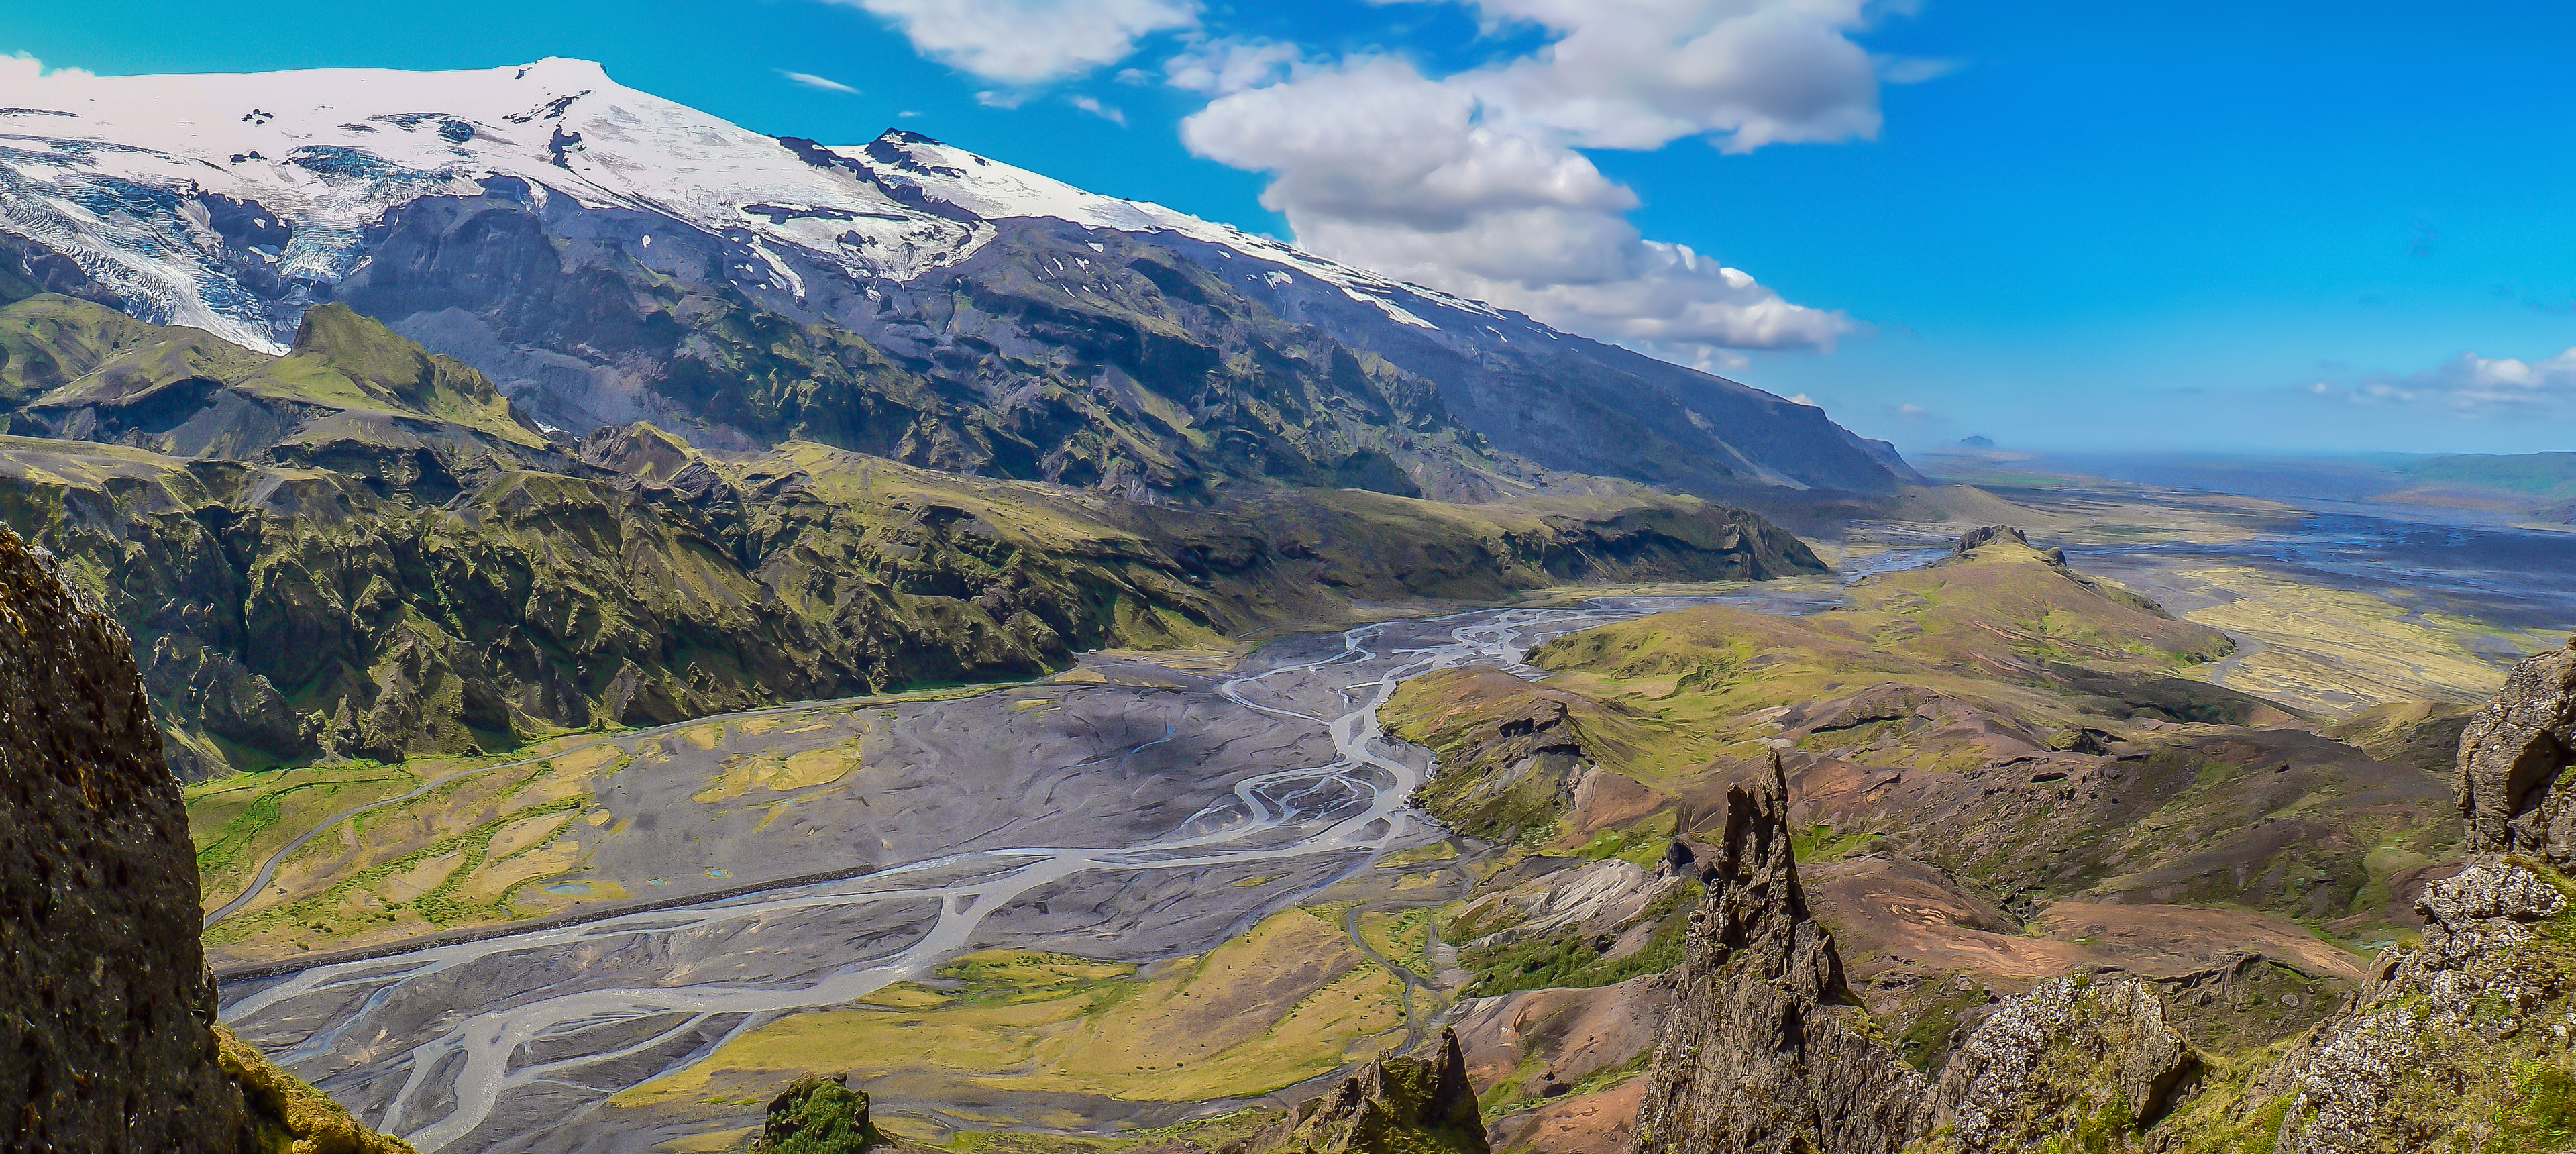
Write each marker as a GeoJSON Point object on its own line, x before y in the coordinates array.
{"type": "Point", "coordinates": [2083, 1051]}
{"type": "Point", "coordinates": [2439, 1043]}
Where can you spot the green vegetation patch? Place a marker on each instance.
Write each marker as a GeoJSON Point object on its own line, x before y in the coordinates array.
{"type": "Point", "coordinates": [1577, 960]}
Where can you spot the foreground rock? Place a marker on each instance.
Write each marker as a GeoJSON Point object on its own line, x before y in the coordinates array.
{"type": "Point", "coordinates": [103, 996]}
{"type": "Point", "coordinates": [1392, 1106]}
{"type": "Point", "coordinates": [105, 1009]}
{"type": "Point", "coordinates": [2464, 1039]}
{"type": "Point", "coordinates": [2513, 759]}
{"type": "Point", "coordinates": [2078, 1055]}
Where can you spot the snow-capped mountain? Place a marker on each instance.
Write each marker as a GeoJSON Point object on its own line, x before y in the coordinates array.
{"type": "Point", "coordinates": [606, 255]}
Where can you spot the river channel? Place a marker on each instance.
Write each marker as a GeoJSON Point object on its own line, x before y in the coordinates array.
{"type": "Point", "coordinates": [1122, 823]}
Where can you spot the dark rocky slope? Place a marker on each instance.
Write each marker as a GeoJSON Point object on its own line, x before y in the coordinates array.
{"type": "Point", "coordinates": [2460, 1042]}
{"type": "Point", "coordinates": [107, 1040]}
{"type": "Point", "coordinates": [1766, 1048]}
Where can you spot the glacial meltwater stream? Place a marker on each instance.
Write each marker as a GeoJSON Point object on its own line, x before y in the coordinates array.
{"type": "Point", "coordinates": [509, 1042]}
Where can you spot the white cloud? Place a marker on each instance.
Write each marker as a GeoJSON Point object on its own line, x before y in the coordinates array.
{"type": "Point", "coordinates": [1915, 69]}
{"type": "Point", "coordinates": [1227, 66]}
{"type": "Point", "coordinates": [992, 99]}
{"type": "Point", "coordinates": [2473, 381]}
{"type": "Point", "coordinates": [1640, 73]}
{"type": "Point", "coordinates": [825, 83]}
{"type": "Point", "coordinates": [2472, 385]}
{"type": "Point", "coordinates": [20, 72]}
{"type": "Point", "coordinates": [1030, 41]}
{"type": "Point", "coordinates": [1096, 108]}
{"type": "Point", "coordinates": [1474, 182]}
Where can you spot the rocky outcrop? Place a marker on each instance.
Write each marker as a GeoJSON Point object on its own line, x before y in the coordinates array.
{"type": "Point", "coordinates": [1392, 1106]}
{"type": "Point", "coordinates": [2450, 1037]}
{"type": "Point", "coordinates": [820, 1115]}
{"type": "Point", "coordinates": [1984, 535]}
{"type": "Point", "coordinates": [107, 1040]}
{"type": "Point", "coordinates": [2080, 1050]}
{"type": "Point", "coordinates": [2513, 762]}
{"type": "Point", "coordinates": [104, 1000]}
{"type": "Point", "coordinates": [2464, 1040]}
{"type": "Point", "coordinates": [1765, 1049]}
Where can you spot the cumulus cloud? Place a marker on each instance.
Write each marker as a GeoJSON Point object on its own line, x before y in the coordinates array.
{"type": "Point", "coordinates": [2472, 385]}
{"type": "Point", "coordinates": [1030, 41]}
{"type": "Point", "coordinates": [1475, 182]}
{"type": "Point", "coordinates": [825, 83]}
{"type": "Point", "coordinates": [2501, 382]}
{"type": "Point", "coordinates": [1640, 73]}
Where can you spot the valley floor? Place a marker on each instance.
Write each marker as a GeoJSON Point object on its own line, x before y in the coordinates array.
{"type": "Point", "coordinates": [1126, 904]}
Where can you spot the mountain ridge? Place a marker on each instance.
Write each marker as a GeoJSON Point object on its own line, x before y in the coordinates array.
{"type": "Point", "coordinates": [606, 256]}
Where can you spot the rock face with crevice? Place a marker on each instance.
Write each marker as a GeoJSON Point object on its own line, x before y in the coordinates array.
{"type": "Point", "coordinates": [107, 1034]}
{"type": "Point", "coordinates": [2513, 763]}
{"type": "Point", "coordinates": [104, 1000]}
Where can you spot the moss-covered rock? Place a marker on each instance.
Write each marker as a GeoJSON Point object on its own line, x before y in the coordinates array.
{"type": "Point", "coordinates": [287, 1115]}
{"type": "Point", "coordinates": [2082, 1061]}
{"type": "Point", "coordinates": [818, 1115]}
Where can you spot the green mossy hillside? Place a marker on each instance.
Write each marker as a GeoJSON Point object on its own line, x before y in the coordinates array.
{"type": "Point", "coordinates": [360, 549]}
{"type": "Point", "coordinates": [287, 613]}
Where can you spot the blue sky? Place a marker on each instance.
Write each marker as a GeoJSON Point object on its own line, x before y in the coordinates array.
{"type": "Point", "coordinates": [2070, 226]}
